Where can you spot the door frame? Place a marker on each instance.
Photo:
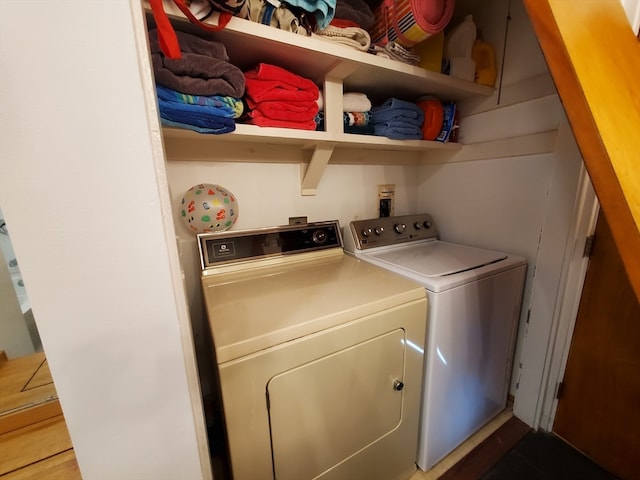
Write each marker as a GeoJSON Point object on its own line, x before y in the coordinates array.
{"type": "Point", "coordinates": [573, 275]}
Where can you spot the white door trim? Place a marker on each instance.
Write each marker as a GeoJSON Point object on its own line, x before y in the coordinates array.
{"type": "Point", "coordinates": [572, 282]}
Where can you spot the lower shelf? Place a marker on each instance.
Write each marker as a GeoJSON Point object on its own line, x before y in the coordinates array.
{"type": "Point", "coordinates": [315, 150]}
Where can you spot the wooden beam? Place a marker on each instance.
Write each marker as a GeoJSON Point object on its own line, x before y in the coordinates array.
{"type": "Point", "coordinates": [594, 58]}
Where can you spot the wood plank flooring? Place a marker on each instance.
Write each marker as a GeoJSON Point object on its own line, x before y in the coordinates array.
{"type": "Point", "coordinates": [35, 444]}
{"type": "Point", "coordinates": [34, 440]}
{"type": "Point", "coordinates": [25, 382]}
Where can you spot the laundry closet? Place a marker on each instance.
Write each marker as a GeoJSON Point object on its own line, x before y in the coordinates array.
{"type": "Point", "coordinates": [511, 183]}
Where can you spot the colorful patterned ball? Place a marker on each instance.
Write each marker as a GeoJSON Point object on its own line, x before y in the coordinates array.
{"type": "Point", "coordinates": [208, 207]}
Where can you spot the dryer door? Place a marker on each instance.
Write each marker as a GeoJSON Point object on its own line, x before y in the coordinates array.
{"type": "Point", "coordinates": [325, 411]}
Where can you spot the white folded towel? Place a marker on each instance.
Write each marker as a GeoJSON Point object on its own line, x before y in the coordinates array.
{"type": "Point", "coordinates": [351, 102]}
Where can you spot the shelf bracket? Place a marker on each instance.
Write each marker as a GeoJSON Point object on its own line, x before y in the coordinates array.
{"type": "Point", "coordinates": [310, 174]}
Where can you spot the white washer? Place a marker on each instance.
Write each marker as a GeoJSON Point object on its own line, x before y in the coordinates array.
{"type": "Point", "coordinates": [474, 305]}
{"type": "Point", "coordinates": [319, 355]}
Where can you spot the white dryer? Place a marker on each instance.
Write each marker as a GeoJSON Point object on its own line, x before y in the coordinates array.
{"type": "Point", "coordinates": [474, 305]}
{"type": "Point", "coordinates": [319, 355]}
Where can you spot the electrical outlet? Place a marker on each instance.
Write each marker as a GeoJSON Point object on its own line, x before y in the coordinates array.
{"type": "Point", "coordinates": [386, 199]}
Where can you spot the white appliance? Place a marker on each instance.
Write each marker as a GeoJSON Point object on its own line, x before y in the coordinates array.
{"type": "Point", "coordinates": [319, 355]}
{"type": "Point", "coordinates": [474, 305]}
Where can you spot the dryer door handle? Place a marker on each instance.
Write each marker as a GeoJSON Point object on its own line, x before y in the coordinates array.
{"type": "Point", "coordinates": [398, 385]}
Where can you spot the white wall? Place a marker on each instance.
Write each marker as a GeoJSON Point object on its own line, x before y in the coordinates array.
{"type": "Point", "coordinates": [83, 189]}
{"type": "Point", "coordinates": [522, 205]}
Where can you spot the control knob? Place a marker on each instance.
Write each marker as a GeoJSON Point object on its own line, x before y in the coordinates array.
{"type": "Point", "coordinates": [319, 237]}
{"type": "Point", "coordinates": [427, 224]}
{"type": "Point", "coordinates": [366, 232]}
{"type": "Point", "coordinates": [417, 225]}
{"type": "Point", "coordinates": [399, 227]}
{"type": "Point", "coordinates": [378, 230]}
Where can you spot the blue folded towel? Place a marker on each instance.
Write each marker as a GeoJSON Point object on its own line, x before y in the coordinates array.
{"type": "Point", "coordinates": [196, 115]}
{"type": "Point", "coordinates": [398, 130]}
{"type": "Point", "coordinates": [216, 131]}
{"type": "Point", "coordinates": [395, 109]}
{"type": "Point", "coordinates": [229, 106]}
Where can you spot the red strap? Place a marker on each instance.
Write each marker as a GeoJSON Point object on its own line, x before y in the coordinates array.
{"type": "Point", "coordinates": [167, 35]}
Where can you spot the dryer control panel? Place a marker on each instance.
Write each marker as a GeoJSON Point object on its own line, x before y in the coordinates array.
{"type": "Point", "coordinates": [383, 231]}
{"type": "Point", "coordinates": [243, 245]}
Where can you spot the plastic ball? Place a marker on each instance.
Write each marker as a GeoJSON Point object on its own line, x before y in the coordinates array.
{"type": "Point", "coordinates": [208, 207]}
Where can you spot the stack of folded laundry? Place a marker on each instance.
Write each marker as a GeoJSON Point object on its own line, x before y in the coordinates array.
{"type": "Point", "coordinates": [398, 119]}
{"type": "Point", "coordinates": [395, 51]}
{"type": "Point", "coordinates": [350, 25]}
{"type": "Point", "coordinates": [200, 91]}
{"type": "Point", "coordinates": [276, 97]}
{"type": "Point", "coordinates": [356, 116]}
{"type": "Point", "coordinates": [322, 11]}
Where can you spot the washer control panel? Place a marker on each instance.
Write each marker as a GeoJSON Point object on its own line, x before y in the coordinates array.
{"type": "Point", "coordinates": [378, 232]}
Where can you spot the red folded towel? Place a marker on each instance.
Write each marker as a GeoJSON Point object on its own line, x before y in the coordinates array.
{"type": "Point", "coordinates": [258, 119]}
{"type": "Point", "coordinates": [272, 83]}
{"type": "Point", "coordinates": [290, 111]}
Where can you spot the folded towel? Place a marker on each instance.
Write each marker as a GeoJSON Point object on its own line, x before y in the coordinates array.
{"type": "Point", "coordinates": [398, 131]}
{"type": "Point", "coordinates": [290, 111]}
{"type": "Point", "coordinates": [351, 102]}
{"type": "Point", "coordinates": [199, 75]}
{"type": "Point", "coordinates": [259, 119]}
{"type": "Point", "coordinates": [222, 128]}
{"type": "Point", "coordinates": [356, 11]}
{"type": "Point", "coordinates": [353, 37]}
{"type": "Point", "coordinates": [395, 109]}
{"type": "Point", "coordinates": [268, 72]}
{"type": "Point", "coordinates": [272, 83]}
{"type": "Point", "coordinates": [355, 102]}
{"type": "Point", "coordinates": [192, 44]}
{"type": "Point", "coordinates": [257, 91]}
{"type": "Point", "coordinates": [196, 115]}
{"type": "Point", "coordinates": [203, 68]}
{"type": "Point", "coordinates": [322, 10]}
{"type": "Point", "coordinates": [198, 111]}
{"type": "Point", "coordinates": [395, 51]}
{"type": "Point", "coordinates": [232, 107]}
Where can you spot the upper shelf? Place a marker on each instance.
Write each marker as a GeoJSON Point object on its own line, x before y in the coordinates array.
{"type": "Point", "coordinates": [248, 43]}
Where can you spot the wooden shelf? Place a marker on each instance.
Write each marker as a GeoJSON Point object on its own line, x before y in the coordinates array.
{"type": "Point", "coordinates": [248, 43]}
{"type": "Point", "coordinates": [177, 139]}
{"type": "Point", "coordinates": [335, 69]}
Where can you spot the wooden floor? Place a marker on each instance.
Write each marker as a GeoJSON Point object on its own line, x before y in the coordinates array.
{"type": "Point", "coordinates": [34, 440]}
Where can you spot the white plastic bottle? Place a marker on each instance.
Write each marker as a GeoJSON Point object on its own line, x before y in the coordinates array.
{"type": "Point", "coordinates": [458, 48]}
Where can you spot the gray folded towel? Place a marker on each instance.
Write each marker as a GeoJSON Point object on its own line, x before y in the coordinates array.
{"type": "Point", "coordinates": [203, 68]}
{"type": "Point", "coordinates": [192, 44]}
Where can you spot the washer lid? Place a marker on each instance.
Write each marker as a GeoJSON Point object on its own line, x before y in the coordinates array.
{"type": "Point", "coordinates": [437, 259]}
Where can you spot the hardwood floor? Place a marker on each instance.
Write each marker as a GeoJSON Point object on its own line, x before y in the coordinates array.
{"type": "Point", "coordinates": [514, 451]}
{"type": "Point", "coordinates": [35, 444]}
{"type": "Point", "coordinates": [34, 441]}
